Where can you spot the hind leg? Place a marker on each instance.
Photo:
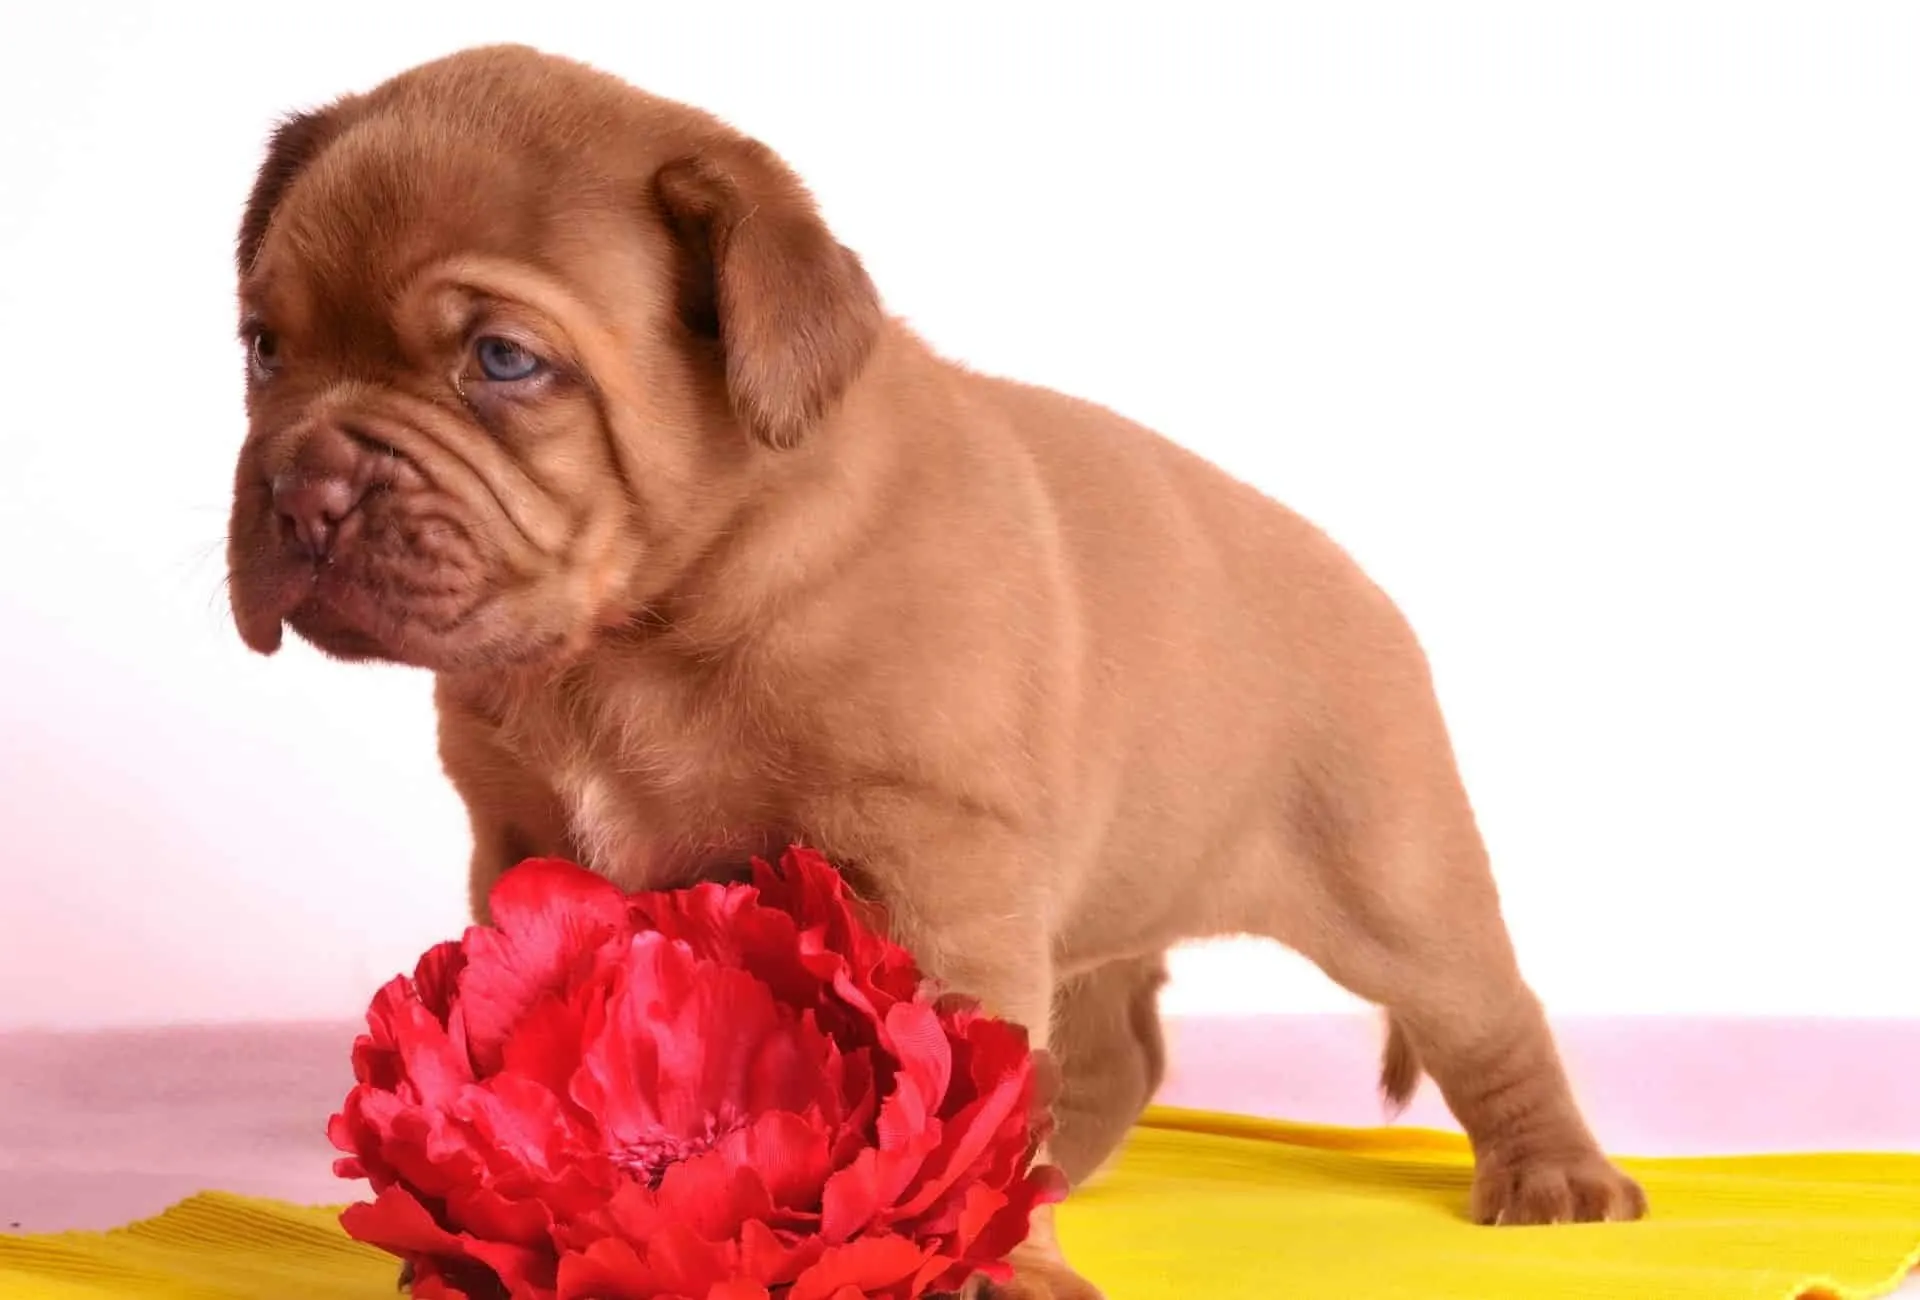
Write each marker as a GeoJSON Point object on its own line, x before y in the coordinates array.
{"type": "Point", "coordinates": [1394, 899]}
{"type": "Point", "coordinates": [1461, 1009]}
{"type": "Point", "coordinates": [1536, 1162]}
{"type": "Point", "coordinates": [1111, 1054]}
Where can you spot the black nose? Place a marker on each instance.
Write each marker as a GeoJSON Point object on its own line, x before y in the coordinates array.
{"type": "Point", "coordinates": [313, 508]}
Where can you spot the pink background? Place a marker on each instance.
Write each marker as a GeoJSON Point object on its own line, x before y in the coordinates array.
{"type": "Point", "coordinates": [98, 1129]}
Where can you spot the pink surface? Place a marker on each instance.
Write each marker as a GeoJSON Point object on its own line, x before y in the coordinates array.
{"type": "Point", "coordinates": [98, 1129]}
{"type": "Point", "coordinates": [1650, 1086]}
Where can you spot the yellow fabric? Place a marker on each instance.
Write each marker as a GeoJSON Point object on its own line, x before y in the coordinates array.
{"type": "Point", "coordinates": [1203, 1205]}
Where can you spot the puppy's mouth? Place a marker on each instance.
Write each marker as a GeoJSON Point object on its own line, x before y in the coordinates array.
{"type": "Point", "coordinates": [382, 590]}
{"type": "Point", "coordinates": [263, 600]}
{"type": "Point", "coordinates": [338, 614]}
{"type": "Point", "coordinates": [345, 620]}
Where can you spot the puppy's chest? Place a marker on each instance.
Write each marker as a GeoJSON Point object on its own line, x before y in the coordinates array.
{"type": "Point", "coordinates": [657, 792]}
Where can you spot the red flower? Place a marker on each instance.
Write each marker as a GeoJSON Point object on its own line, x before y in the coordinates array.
{"type": "Point", "coordinates": [722, 1093]}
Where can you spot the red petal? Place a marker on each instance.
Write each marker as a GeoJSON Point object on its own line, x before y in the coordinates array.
{"type": "Point", "coordinates": [731, 925]}
{"type": "Point", "coordinates": [686, 1265]}
{"type": "Point", "coordinates": [1014, 1222]}
{"type": "Point", "coordinates": [431, 1152]}
{"type": "Point", "coordinates": [342, 1133]}
{"type": "Point", "coordinates": [706, 917]}
{"type": "Point", "coordinates": [788, 1152]}
{"type": "Point", "coordinates": [521, 1127]}
{"type": "Point", "coordinates": [860, 1096]}
{"type": "Point", "coordinates": [375, 1063]}
{"type": "Point", "coordinates": [907, 1132]}
{"type": "Point", "coordinates": [851, 1198]}
{"type": "Point", "coordinates": [434, 1066]}
{"type": "Point", "coordinates": [428, 1284]}
{"type": "Point", "coordinates": [806, 886]}
{"type": "Point", "coordinates": [977, 1210]}
{"type": "Point", "coordinates": [542, 902]}
{"type": "Point", "coordinates": [688, 1045]}
{"type": "Point", "coordinates": [919, 1040]}
{"type": "Point", "coordinates": [866, 1265]}
{"type": "Point", "coordinates": [627, 1213]}
{"type": "Point", "coordinates": [548, 916]}
{"type": "Point", "coordinates": [545, 1043]}
{"type": "Point", "coordinates": [765, 1259]}
{"type": "Point", "coordinates": [737, 1290]}
{"type": "Point", "coordinates": [619, 1065]}
{"type": "Point", "coordinates": [349, 1131]}
{"type": "Point", "coordinates": [436, 975]}
{"type": "Point", "coordinates": [403, 1142]}
{"type": "Point", "coordinates": [942, 1274]}
{"type": "Point", "coordinates": [406, 1039]}
{"type": "Point", "coordinates": [711, 1196]}
{"type": "Point", "coordinates": [480, 1211]}
{"type": "Point", "coordinates": [396, 1222]}
{"type": "Point", "coordinates": [609, 1269]}
{"type": "Point", "coordinates": [999, 1118]}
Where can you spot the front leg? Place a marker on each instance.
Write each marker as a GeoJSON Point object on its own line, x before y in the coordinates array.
{"type": "Point", "coordinates": [1005, 961]}
{"type": "Point", "coordinates": [513, 813]}
{"type": "Point", "coordinates": [973, 906]}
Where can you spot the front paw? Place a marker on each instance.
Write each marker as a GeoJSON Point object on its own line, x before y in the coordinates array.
{"type": "Point", "coordinates": [1580, 1187]}
{"type": "Point", "coordinates": [1038, 1274]}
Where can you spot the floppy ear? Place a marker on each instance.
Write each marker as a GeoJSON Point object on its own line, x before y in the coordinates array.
{"type": "Point", "coordinates": [296, 142]}
{"type": "Point", "coordinates": [792, 310]}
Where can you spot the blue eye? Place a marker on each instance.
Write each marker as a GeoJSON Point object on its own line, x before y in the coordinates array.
{"type": "Point", "coordinates": [505, 362]}
{"type": "Point", "coordinates": [264, 355]}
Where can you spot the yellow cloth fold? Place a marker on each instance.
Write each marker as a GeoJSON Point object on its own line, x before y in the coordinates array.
{"type": "Point", "coordinates": [1203, 1205]}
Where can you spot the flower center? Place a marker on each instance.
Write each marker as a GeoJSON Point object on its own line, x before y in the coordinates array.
{"type": "Point", "coordinates": [649, 1156]}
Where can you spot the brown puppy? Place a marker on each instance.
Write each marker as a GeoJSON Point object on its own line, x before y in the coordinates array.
{"type": "Point", "coordinates": [565, 393]}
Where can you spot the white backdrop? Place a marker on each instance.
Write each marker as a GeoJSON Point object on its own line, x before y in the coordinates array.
{"type": "Point", "coordinates": [1594, 330]}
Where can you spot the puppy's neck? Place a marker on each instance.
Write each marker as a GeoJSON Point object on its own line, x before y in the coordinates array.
{"type": "Point", "coordinates": [818, 507]}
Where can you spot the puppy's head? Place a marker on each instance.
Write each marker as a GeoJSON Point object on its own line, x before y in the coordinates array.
{"type": "Point", "coordinates": [522, 344]}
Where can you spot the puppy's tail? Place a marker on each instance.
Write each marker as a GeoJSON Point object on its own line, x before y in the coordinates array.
{"type": "Point", "coordinates": [1399, 1068]}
